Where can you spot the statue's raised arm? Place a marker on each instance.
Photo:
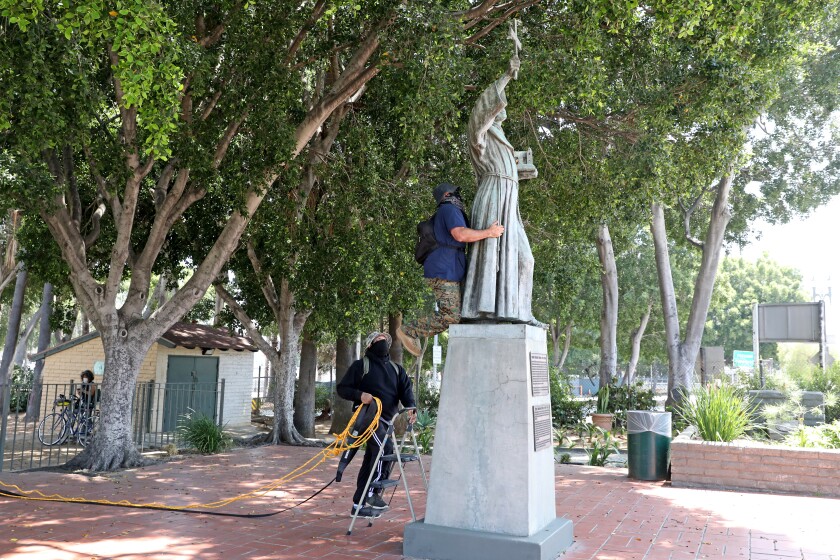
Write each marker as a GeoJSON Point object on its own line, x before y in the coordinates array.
{"type": "Point", "coordinates": [489, 107]}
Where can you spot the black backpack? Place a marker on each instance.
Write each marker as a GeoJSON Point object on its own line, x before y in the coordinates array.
{"type": "Point", "coordinates": [426, 242]}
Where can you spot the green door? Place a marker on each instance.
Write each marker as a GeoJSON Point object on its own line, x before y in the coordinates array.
{"type": "Point", "coordinates": [191, 385]}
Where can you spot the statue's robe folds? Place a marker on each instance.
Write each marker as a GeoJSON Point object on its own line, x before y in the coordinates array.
{"type": "Point", "coordinates": [500, 272]}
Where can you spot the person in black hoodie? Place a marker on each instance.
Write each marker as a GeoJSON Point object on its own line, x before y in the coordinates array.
{"type": "Point", "coordinates": [382, 378]}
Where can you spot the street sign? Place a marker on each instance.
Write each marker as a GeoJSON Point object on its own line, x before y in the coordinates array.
{"type": "Point", "coordinates": [743, 359]}
{"type": "Point", "coordinates": [437, 355]}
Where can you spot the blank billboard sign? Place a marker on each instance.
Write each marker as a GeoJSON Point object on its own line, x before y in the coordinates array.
{"type": "Point", "coordinates": [789, 322]}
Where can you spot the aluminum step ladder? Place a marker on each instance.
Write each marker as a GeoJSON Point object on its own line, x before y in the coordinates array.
{"type": "Point", "coordinates": [400, 459]}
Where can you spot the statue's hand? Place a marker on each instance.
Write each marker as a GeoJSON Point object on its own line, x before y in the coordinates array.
{"type": "Point", "coordinates": [513, 69]}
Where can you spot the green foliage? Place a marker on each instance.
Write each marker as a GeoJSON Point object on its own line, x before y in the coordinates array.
{"type": "Point", "coordinates": [797, 373]}
{"type": "Point", "coordinates": [322, 397]}
{"type": "Point", "coordinates": [825, 436]}
{"type": "Point", "coordinates": [424, 429]}
{"type": "Point", "coordinates": [565, 459]}
{"type": "Point", "coordinates": [720, 413]}
{"type": "Point", "coordinates": [602, 403]}
{"type": "Point", "coordinates": [428, 398]}
{"type": "Point", "coordinates": [566, 411]}
{"type": "Point", "coordinates": [739, 285]}
{"type": "Point", "coordinates": [601, 447]}
{"type": "Point", "coordinates": [202, 433]}
{"type": "Point", "coordinates": [561, 438]}
{"type": "Point", "coordinates": [630, 397]}
{"type": "Point", "coordinates": [586, 429]}
{"type": "Point", "coordinates": [21, 386]}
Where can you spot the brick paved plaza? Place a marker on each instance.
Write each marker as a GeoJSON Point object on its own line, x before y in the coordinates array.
{"type": "Point", "coordinates": [615, 518]}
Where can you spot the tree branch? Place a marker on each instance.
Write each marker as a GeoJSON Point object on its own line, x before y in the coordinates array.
{"type": "Point", "coordinates": [317, 12]}
{"type": "Point", "coordinates": [227, 138]}
{"type": "Point", "coordinates": [253, 332]}
{"type": "Point", "coordinates": [162, 185]}
{"type": "Point", "coordinates": [95, 226]}
{"type": "Point", "coordinates": [687, 213]}
{"type": "Point", "coordinates": [189, 294]}
{"type": "Point", "coordinates": [472, 39]}
{"type": "Point", "coordinates": [266, 283]}
{"type": "Point", "coordinates": [102, 186]}
{"type": "Point", "coordinates": [327, 105]}
{"type": "Point", "coordinates": [205, 112]}
{"type": "Point", "coordinates": [71, 186]}
{"type": "Point", "coordinates": [476, 12]}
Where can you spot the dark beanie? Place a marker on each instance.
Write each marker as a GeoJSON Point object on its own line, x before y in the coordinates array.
{"type": "Point", "coordinates": [442, 189]}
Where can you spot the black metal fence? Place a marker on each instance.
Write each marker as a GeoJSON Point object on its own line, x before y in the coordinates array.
{"type": "Point", "coordinates": [157, 411]}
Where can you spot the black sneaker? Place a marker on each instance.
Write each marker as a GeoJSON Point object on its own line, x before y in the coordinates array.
{"type": "Point", "coordinates": [367, 512]}
{"type": "Point", "coordinates": [376, 502]}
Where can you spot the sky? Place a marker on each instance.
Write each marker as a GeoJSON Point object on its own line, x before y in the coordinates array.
{"type": "Point", "coordinates": [810, 245]}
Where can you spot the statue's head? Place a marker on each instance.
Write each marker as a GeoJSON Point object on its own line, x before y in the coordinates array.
{"type": "Point", "coordinates": [500, 117]}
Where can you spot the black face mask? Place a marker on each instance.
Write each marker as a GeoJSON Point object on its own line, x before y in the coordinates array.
{"type": "Point", "coordinates": [379, 348]}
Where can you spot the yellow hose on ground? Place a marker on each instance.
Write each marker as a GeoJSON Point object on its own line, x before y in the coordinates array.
{"type": "Point", "coordinates": [334, 449]}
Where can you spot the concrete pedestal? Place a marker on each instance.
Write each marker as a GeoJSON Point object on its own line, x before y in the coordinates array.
{"type": "Point", "coordinates": [492, 482]}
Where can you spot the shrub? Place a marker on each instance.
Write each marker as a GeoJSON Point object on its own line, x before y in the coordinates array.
{"type": "Point", "coordinates": [601, 448]}
{"type": "Point", "coordinates": [630, 397]}
{"type": "Point", "coordinates": [322, 398]}
{"type": "Point", "coordinates": [602, 402]}
{"type": "Point", "coordinates": [566, 411]}
{"type": "Point", "coordinates": [428, 397]}
{"type": "Point", "coordinates": [201, 432]}
{"type": "Point", "coordinates": [825, 436]}
{"type": "Point", "coordinates": [720, 413]}
{"type": "Point", "coordinates": [424, 429]}
{"type": "Point", "coordinates": [21, 387]}
{"type": "Point", "coordinates": [565, 459]}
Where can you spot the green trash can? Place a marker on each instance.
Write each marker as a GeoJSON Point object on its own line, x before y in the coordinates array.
{"type": "Point", "coordinates": [648, 444]}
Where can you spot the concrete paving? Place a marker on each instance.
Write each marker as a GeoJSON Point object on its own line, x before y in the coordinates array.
{"type": "Point", "coordinates": [615, 518]}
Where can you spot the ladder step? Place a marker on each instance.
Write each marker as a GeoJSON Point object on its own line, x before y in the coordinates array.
{"type": "Point", "coordinates": [381, 484]}
{"type": "Point", "coordinates": [392, 458]}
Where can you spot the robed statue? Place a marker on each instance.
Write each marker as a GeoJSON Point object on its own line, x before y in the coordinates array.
{"type": "Point", "coordinates": [500, 271]}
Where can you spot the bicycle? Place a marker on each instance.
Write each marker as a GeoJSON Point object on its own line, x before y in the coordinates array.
{"type": "Point", "coordinates": [76, 419]}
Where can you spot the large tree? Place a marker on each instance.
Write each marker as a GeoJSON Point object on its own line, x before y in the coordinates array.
{"type": "Point", "coordinates": [139, 112]}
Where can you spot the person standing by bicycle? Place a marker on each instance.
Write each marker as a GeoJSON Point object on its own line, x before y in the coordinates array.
{"type": "Point", "coordinates": [86, 392]}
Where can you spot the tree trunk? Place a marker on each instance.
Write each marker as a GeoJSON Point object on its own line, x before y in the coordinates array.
{"type": "Point", "coordinates": [33, 408]}
{"type": "Point", "coordinates": [8, 266]}
{"type": "Point", "coordinates": [682, 353]}
{"type": "Point", "coordinates": [158, 297]}
{"type": "Point", "coordinates": [113, 444]}
{"type": "Point", "coordinates": [343, 409]}
{"type": "Point", "coordinates": [23, 339]}
{"type": "Point", "coordinates": [567, 342]}
{"type": "Point", "coordinates": [12, 331]}
{"type": "Point", "coordinates": [394, 324]}
{"type": "Point", "coordinates": [609, 307]}
{"type": "Point", "coordinates": [554, 331]}
{"type": "Point", "coordinates": [290, 325]}
{"type": "Point", "coordinates": [217, 311]}
{"type": "Point", "coordinates": [305, 395]}
{"type": "Point", "coordinates": [85, 323]}
{"type": "Point", "coordinates": [636, 345]}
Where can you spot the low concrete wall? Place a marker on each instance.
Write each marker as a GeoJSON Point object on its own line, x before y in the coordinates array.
{"type": "Point", "coordinates": [753, 466]}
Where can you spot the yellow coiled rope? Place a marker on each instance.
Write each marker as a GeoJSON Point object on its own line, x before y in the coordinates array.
{"type": "Point", "coordinates": [336, 448]}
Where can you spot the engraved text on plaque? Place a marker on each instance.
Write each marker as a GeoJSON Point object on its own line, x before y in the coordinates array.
{"type": "Point", "coordinates": [539, 374]}
{"type": "Point", "coordinates": [542, 426]}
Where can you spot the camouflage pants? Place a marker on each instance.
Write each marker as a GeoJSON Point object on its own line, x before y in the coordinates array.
{"type": "Point", "coordinates": [448, 297]}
